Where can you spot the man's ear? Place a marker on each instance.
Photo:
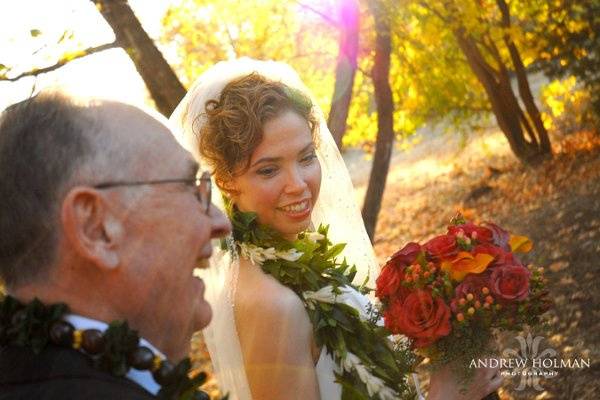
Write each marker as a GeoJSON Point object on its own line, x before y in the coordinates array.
{"type": "Point", "coordinates": [91, 228]}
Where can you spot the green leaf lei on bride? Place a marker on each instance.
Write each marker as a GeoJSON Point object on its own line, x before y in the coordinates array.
{"type": "Point", "coordinates": [371, 367]}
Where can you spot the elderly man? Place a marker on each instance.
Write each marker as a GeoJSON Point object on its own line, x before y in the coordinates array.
{"type": "Point", "coordinates": [103, 211]}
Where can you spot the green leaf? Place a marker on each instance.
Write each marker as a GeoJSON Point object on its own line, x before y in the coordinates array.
{"type": "Point", "coordinates": [35, 32]}
{"type": "Point", "coordinates": [334, 251]}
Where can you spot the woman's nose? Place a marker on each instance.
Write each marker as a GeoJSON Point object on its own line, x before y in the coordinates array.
{"type": "Point", "coordinates": [296, 182]}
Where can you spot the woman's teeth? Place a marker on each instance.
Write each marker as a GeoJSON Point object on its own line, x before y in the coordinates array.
{"type": "Point", "coordinates": [296, 207]}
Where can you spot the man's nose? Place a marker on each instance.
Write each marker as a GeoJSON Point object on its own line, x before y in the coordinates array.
{"type": "Point", "coordinates": [220, 223]}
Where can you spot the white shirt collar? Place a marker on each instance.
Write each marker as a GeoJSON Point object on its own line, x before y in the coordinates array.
{"type": "Point", "coordinates": [142, 378]}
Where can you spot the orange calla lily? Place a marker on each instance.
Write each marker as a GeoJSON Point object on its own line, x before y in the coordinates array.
{"type": "Point", "coordinates": [520, 244]}
{"type": "Point", "coordinates": [467, 263]}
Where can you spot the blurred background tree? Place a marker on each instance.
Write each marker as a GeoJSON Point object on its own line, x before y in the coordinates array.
{"type": "Point", "coordinates": [453, 64]}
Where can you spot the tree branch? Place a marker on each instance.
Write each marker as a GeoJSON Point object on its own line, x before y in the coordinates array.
{"type": "Point", "coordinates": [62, 62]}
{"type": "Point", "coordinates": [434, 11]}
{"type": "Point", "coordinates": [326, 17]}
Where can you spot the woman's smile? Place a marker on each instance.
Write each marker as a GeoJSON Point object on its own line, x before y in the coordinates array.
{"type": "Point", "coordinates": [298, 210]}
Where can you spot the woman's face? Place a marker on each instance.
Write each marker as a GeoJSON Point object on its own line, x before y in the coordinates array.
{"type": "Point", "coordinates": [284, 178]}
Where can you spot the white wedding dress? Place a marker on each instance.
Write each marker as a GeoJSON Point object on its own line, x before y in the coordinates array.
{"type": "Point", "coordinates": [325, 368]}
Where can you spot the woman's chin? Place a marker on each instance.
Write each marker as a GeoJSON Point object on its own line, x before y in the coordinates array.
{"type": "Point", "coordinates": [291, 231]}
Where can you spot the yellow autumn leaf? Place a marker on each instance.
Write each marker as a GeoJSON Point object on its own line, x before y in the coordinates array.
{"type": "Point", "coordinates": [520, 244]}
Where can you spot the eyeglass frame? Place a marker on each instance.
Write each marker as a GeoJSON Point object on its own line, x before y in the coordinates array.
{"type": "Point", "coordinates": [204, 178]}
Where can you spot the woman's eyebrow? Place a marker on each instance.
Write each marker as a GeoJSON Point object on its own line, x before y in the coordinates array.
{"type": "Point", "coordinates": [265, 159]}
{"type": "Point", "coordinates": [309, 146]}
{"type": "Point", "coordinates": [274, 159]}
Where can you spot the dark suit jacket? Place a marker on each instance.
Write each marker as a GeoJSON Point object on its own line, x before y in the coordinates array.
{"type": "Point", "coordinates": [60, 373]}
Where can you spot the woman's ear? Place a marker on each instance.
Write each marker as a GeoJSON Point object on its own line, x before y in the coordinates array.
{"type": "Point", "coordinates": [91, 228]}
{"type": "Point", "coordinates": [228, 189]}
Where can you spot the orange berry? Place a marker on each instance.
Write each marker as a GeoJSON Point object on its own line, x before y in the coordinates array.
{"type": "Point", "coordinates": [485, 290]}
{"type": "Point", "coordinates": [486, 305]}
{"type": "Point", "coordinates": [460, 317]}
{"type": "Point", "coordinates": [470, 296]}
{"type": "Point", "coordinates": [471, 311]}
{"type": "Point", "coordinates": [462, 301]}
{"type": "Point", "coordinates": [409, 279]}
{"type": "Point", "coordinates": [426, 274]}
{"type": "Point", "coordinates": [489, 299]}
{"type": "Point", "coordinates": [477, 304]}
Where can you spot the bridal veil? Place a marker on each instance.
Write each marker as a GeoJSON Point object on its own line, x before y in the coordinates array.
{"type": "Point", "coordinates": [335, 207]}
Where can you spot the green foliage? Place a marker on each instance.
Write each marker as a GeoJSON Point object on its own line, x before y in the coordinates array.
{"type": "Point", "coordinates": [204, 32]}
{"type": "Point", "coordinates": [569, 41]}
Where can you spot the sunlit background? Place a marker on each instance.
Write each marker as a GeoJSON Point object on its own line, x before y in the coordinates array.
{"type": "Point", "coordinates": [108, 74]}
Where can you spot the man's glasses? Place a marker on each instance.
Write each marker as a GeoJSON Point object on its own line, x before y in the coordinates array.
{"type": "Point", "coordinates": [203, 186]}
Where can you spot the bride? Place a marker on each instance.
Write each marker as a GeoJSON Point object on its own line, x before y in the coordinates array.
{"type": "Point", "coordinates": [271, 154]}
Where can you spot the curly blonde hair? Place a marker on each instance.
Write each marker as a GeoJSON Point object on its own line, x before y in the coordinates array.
{"type": "Point", "coordinates": [232, 126]}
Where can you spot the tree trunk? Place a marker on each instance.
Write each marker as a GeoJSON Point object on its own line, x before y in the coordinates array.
{"type": "Point", "coordinates": [523, 83]}
{"type": "Point", "coordinates": [162, 83]}
{"type": "Point", "coordinates": [385, 120]}
{"type": "Point", "coordinates": [502, 98]}
{"type": "Point", "coordinates": [345, 69]}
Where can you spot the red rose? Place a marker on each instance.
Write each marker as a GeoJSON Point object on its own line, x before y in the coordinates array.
{"type": "Point", "coordinates": [500, 237]}
{"type": "Point", "coordinates": [420, 317]}
{"type": "Point", "coordinates": [510, 282]}
{"type": "Point", "coordinates": [501, 257]}
{"type": "Point", "coordinates": [389, 282]}
{"type": "Point", "coordinates": [442, 247]}
{"type": "Point", "coordinates": [472, 231]}
{"type": "Point", "coordinates": [406, 256]}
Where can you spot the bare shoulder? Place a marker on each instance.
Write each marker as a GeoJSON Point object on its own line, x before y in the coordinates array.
{"type": "Point", "coordinates": [276, 338]}
{"type": "Point", "coordinates": [270, 318]}
{"type": "Point", "coordinates": [260, 296]}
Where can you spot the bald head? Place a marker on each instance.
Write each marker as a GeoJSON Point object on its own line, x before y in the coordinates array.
{"type": "Point", "coordinates": [128, 140]}
{"type": "Point", "coordinates": [49, 143]}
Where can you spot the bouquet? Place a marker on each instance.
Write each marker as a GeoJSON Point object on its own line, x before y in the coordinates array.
{"type": "Point", "coordinates": [449, 295]}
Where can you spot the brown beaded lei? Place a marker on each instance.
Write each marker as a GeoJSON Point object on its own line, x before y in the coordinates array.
{"type": "Point", "coordinates": [115, 350]}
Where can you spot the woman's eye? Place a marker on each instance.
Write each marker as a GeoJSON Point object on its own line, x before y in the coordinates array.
{"type": "Point", "coordinates": [269, 171]}
{"type": "Point", "coordinates": [308, 158]}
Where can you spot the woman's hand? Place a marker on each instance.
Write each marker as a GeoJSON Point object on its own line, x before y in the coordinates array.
{"type": "Point", "coordinates": [444, 384]}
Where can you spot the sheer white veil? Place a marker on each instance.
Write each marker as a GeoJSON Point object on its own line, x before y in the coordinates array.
{"type": "Point", "coordinates": [335, 206]}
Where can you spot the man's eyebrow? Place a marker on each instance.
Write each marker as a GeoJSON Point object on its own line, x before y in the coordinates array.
{"type": "Point", "coordinates": [272, 159]}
